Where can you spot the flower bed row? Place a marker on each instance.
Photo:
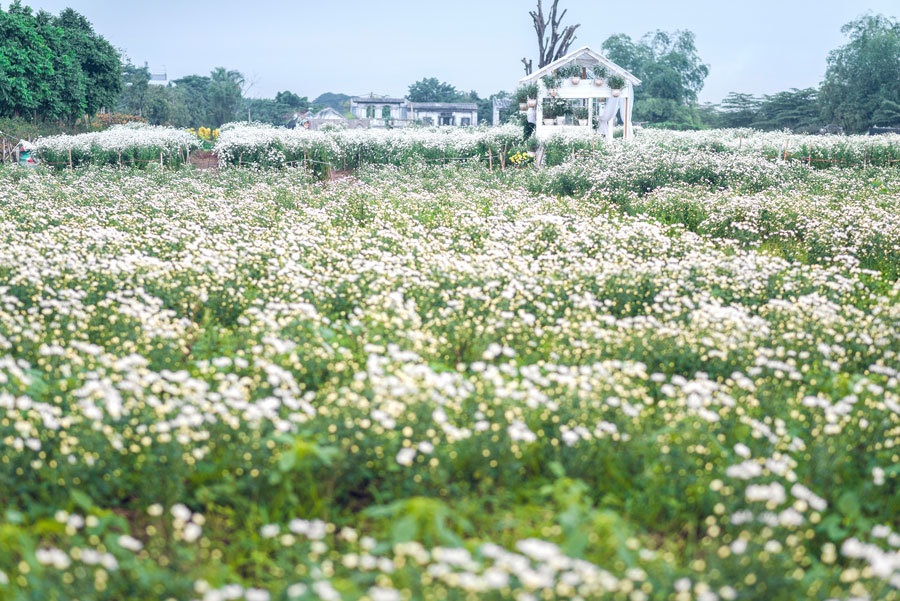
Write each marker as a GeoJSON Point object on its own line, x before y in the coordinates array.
{"type": "Point", "coordinates": [132, 144]}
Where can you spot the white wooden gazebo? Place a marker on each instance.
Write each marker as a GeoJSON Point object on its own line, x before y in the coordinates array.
{"type": "Point", "coordinates": [586, 90]}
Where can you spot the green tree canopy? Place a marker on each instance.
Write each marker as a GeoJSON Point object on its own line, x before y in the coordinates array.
{"type": "Point", "coordinates": [739, 110]}
{"type": "Point", "coordinates": [54, 67]}
{"type": "Point", "coordinates": [135, 88]}
{"type": "Point", "coordinates": [26, 63]}
{"type": "Point", "coordinates": [797, 110]}
{"type": "Point", "coordinates": [224, 95]}
{"type": "Point", "coordinates": [671, 71]}
{"type": "Point", "coordinates": [862, 81]}
{"type": "Point", "coordinates": [278, 110]}
{"type": "Point", "coordinates": [430, 89]}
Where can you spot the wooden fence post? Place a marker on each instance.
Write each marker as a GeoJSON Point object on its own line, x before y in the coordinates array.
{"type": "Point", "coordinates": [120, 158]}
{"type": "Point", "coordinates": [490, 159]}
{"type": "Point", "coordinates": [70, 158]}
{"type": "Point", "coordinates": [160, 160]}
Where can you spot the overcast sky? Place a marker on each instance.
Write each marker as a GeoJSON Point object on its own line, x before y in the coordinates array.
{"type": "Point", "coordinates": [356, 47]}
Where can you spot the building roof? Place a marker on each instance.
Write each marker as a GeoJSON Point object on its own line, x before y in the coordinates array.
{"type": "Point", "coordinates": [377, 100]}
{"type": "Point", "coordinates": [581, 53]}
{"type": "Point", "coordinates": [444, 106]}
{"type": "Point", "coordinates": [329, 113]}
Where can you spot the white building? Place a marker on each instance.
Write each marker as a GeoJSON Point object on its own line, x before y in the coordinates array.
{"type": "Point", "coordinates": [460, 114]}
{"type": "Point", "coordinates": [400, 112]}
{"type": "Point", "coordinates": [380, 109]}
{"type": "Point", "coordinates": [593, 94]}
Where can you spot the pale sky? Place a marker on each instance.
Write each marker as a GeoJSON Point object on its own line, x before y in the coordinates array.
{"type": "Point", "coordinates": [356, 47]}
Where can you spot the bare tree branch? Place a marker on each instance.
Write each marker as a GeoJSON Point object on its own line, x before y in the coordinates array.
{"type": "Point", "coordinates": [556, 44]}
{"type": "Point", "coordinates": [527, 64]}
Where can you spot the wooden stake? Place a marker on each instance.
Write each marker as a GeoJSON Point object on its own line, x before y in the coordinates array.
{"type": "Point", "coordinates": [490, 159]}
{"type": "Point", "coordinates": [160, 160]}
{"type": "Point", "coordinates": [70, 158]}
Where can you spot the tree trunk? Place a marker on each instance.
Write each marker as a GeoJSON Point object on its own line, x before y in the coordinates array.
{"type": "Point", "coordinates": [556, 44]}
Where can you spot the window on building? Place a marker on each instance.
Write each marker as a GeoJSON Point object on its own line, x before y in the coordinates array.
{"type": "Point", "coordinates": [465, 122]}
{"type": "Point", "coordinates": [446, 119]}
{"type": "Point", "coordinates": [370, 112]}
{"type": "Point", "coordinates": [385, 112]}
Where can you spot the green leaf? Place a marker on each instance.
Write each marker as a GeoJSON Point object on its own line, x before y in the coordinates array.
{"type": "Point", "coordinates": [81, 500]}
{"type": "Point", "coordinates": [848, 504]}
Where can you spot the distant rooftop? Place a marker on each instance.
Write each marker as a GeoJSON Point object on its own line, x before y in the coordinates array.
{"type": "Point", "coordinates": [378, 100]}
{"type": "Point", "coordinates": [437, 106]}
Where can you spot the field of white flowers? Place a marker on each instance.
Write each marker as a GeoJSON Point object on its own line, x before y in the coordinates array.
{"type": "Point", "coordinates": [260, 145]}
{"type": "Point", "coordinates": [642, 374]}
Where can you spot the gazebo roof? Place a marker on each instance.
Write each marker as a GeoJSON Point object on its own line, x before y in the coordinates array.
{"type": "Point", "coordinates": [583, 52]}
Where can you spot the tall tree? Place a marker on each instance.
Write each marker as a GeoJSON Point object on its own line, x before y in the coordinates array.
{"type": "Point", "coordinates": [26, 63]}
{"type": "Point", "coordinates": [191, 107]}
{"type": "Point", "coordinates": [797, 110]}
{"type": "Point", "coordinates": [224, 94]}
{"type": "Point", "coordinates": [554, 41]}
{"type": "Point", "coordinates": [740, 110]}
{"type": "Point", "coordinates": [277, 111]}
{"type": "Point", "coordinates": [135, 87]}
{"type": "Point", "coordinates": [99, 61]}
{"type": "Point", "coordinates": [54, 67]}
{"type": "Point", "coordinates": [430, 89]}
{"type": "Point", "coordinates": [863, 76]}
{"type": "Point", "coordinates": [671, 71]}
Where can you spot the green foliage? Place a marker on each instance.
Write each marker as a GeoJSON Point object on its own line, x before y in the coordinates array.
{"type": "Point", "coordinates": [275, 111]}
{"type": "Point", "coordinates": [739, 110]}
{"type": "Point", "coordinates": [863, 74]}
{"type": "Point", "coordinates": [224, 95]}
{"type": "Point", "coordinates": [797, 110]}
{"type": "Point", "coordinates": [569, 71]}
{"type": "Point", "coordinates": [430, 89]}
{"type": "Point", "coordinates": [135, 89]}
{"type": "Point", "coordinates": [526, 93]}
{"type": "Point", "coordinates": [555, 107]}
{"type": "Point", "coordinates": [551, 82]}
{"type": "Point", "coordinates": [616, 82]}
{"type": "Point", "coordinates": [450, 383]}
{"type": "Point", "coordinates": [54, 67]}
{"type": "Point", "coordinates": [670, 69]}
{"type": "Point", "coordinates": [888, 113]}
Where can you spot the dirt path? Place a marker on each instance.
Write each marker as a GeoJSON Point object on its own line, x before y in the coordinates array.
{"type": "Point", "coordinates": [336, 176]}
{"type": "Point", "coordinates": [205, 159]}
